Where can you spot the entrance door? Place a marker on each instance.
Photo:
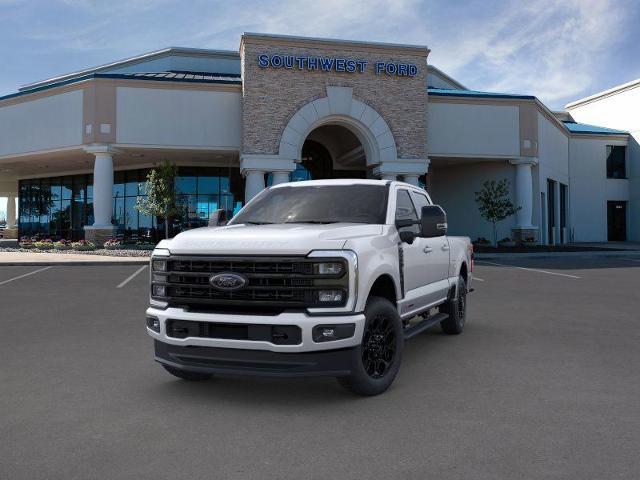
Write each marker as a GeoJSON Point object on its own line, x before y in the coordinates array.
{"type": "Point", "coordinates": [317, 161]}
{"type": "Point", "coordinates": [563, 212]}
{"type": "Point", "coordinates": [551, 211]}
{"type": "Point", "coordinates": [617, 221]}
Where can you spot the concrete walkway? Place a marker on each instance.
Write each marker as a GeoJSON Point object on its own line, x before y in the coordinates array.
{"type": "Point", "coordinates": [33, 258]}
{"type": "Point", "coordinates": [635, 254]}
{"type": "Point", "coordinates": [616, 245]}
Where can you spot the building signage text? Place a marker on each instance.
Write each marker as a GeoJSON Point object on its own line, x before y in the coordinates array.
{"type": "Point", "coordinates": [335, 64]}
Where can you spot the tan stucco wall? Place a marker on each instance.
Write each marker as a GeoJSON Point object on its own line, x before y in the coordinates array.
{"type": "Point", "coordinates": [271, 96]}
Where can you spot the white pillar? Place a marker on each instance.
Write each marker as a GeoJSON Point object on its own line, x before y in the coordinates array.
{"type": "Point", "coordinates": [280, 177]}
{"type": "Point", "coordinates": [11, 212]}
{"type": "Point", "coordinates": [254, 183]}
{"type": "Point", "coordinates": [412, 179]}
{"type": "Point", "coordinates": [524, 193]}
{"type": "Point", "coordinates": [103, 189]}
{"type": "Point", "coordinates": [387, 176]}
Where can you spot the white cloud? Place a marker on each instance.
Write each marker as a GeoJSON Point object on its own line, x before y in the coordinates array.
{"type": "Point", "coordinates": [546, 48]}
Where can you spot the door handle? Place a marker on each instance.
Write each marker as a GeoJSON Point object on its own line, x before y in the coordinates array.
{"type": "Point", "coordinates": [445, 247]}
{"type": "Point", "coordinates": [427, 249]}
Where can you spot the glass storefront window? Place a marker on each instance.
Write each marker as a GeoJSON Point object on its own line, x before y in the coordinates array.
{"type": "Point", "coordinates": [186, 184]}
{"type": "Point", "coordinates": [60, 207]}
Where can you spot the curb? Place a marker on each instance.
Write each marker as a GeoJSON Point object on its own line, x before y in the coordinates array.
{"type": "Point", "coordinates": [89, 263]}
{"type": "Point", "coordinates": [608, 253]}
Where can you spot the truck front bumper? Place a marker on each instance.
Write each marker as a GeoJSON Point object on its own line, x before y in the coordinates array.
{"type": "Point", "coordinates": [233, 361]}
{"type": "Point", "coordinates": [303, 321]}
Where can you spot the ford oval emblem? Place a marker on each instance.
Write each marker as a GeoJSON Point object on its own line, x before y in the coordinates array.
{"type": "Point", "coordinates": [228, 281]}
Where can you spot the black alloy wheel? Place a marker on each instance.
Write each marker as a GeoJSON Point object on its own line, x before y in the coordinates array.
{"type": "Point", "coordinates": [378, 346]}
{"type": "Point", "coordinates": [376, 361]}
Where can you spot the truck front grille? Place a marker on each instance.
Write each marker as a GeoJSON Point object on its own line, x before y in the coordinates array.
{"type": "Point", "coordinates": [287, 282]}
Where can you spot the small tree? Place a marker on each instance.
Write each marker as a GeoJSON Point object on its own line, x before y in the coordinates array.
{"type": "Point", "coordinates": [494, 203]}
{"type": "Point", "coordinates": [160, 191]}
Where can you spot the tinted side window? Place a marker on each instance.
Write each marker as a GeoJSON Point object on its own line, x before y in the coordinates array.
{"type": "Point", "coordinates": [405, 210]}
{"type": "Point", "coordinates": [420, 201]}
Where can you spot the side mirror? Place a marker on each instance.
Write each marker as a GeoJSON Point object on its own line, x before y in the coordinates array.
{"type": "Point", "coordinates": [218, 218]}
{"type": "Point", "coordinates": [433, 221]}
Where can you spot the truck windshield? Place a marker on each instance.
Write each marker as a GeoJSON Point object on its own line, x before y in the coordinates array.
{"type": "Point", "coordinates": [317, 204]}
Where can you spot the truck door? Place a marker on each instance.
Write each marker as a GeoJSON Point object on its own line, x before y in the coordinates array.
{"type": "Point", "coordinates": [436, 256]}
{"type": "Point", "coordinates": [415, 275]}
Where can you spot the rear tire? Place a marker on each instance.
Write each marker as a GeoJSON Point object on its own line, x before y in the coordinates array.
{"type": "Point", "coordinates": [376, 361]}
{"type": "Point", "coordinates": [457, 310]}
{"type": "Point", "coordinates": [187, 375]}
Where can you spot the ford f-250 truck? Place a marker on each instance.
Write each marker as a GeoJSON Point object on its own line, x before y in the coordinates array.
{"type": "Point", "coordinates": [326, 277]}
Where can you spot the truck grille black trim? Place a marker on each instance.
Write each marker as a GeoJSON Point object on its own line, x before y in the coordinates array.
{"type": "Point", "coordinates": [276, 334]}
{"type": "Point", "coordinates": [287, 282]}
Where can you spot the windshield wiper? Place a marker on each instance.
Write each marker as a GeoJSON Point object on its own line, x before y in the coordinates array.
{"type": "Point", "coordinates": [258, 223]}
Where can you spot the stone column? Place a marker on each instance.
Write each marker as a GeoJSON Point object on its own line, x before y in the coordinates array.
{"type": "Point", "coordinates": [254, 183]}
{"type": "Point", "coordinates": [412, 179]}
{"type": "Point", "coordinates": [408, 169]}
{"type": "Point", "coordinates": [524, 198]}
{"type": "Point", "coordinates": [102, 229]}
{"type": "Point", "coordinates": [280, 177]}
{"type": "Point", "coordinates": [11, 211]}
{"type": "Point", "coordinates": [11, 232]}
{"type": "Point", "coordinates": [253, 167]}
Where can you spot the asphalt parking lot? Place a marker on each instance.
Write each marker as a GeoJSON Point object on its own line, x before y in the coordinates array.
{"type": "Point", "coordinates": [543, 383]}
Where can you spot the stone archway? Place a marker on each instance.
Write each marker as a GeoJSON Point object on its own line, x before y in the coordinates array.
{"type": "Point", "coordinates": [340, 108]}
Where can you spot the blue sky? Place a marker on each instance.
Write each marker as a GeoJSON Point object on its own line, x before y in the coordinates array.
{"type": "Point", "coordinates": [559, 51]}
{"type": "Point", "coordinates": [556, 50]}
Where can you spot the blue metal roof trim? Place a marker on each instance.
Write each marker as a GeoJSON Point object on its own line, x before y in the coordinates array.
{"type": "Point", "coordinates": [226, 79]}
{"type": "Point", "coordinates": [444, 92]}
{"type": "Point", "coordinates": [585, 128]}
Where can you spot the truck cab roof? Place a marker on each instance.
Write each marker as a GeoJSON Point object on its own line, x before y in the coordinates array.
{"type": "Point", "coordinates": [341, 181]}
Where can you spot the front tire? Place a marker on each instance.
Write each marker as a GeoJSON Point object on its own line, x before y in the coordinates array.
{"type": "Point", "coordinates": [376, 361]}
{"type": "Point", "coordinates": [187, 375]}
{"type": "Point", "coordinates": [457, 309]}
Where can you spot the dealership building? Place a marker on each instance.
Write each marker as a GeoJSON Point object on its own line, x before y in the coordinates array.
{"type": "Point", "coordinates": [75, 149]}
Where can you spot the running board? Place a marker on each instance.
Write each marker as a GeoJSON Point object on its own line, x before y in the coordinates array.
{"type": "Point", "coordinates": [423, 325]}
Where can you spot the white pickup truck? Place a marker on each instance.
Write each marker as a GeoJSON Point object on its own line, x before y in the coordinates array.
{"type": "Point", "coordinates": [326, 277]}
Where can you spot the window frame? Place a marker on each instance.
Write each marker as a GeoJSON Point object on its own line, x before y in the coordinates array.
{"type": "Point", "coordinates": [610, 167]}
{"type": "Point", "coordinates": [415, 228]}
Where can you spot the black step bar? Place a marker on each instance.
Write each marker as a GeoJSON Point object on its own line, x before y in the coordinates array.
{"type": "Point", "coordinates": [424, 324]}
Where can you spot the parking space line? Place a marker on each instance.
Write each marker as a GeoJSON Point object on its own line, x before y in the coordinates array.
{"type": "Point", "coordinates": [132, 276]}
{"type": "Point", "coordinates": [529, 269]}
{"type": "Point", "coordinates": [478, 279]}
{"type": "Point", "coordinates": [25, 275]}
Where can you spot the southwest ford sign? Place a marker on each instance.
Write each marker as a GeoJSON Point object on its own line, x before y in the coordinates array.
{"type": "Point", "coordinates": [333, 64]}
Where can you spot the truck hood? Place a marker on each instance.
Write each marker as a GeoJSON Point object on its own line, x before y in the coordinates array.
{"type": "Point", "coordinates": [280, 239]}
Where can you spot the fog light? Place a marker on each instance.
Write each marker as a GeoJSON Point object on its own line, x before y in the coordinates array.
{"type": "Point", "coordinates": [158, 290]}
{"type": "Point", "coordinates": [154, 324]}
{"type": "Point", "coordinates": [329, 268]}
{"type": "Point", "coordinates": [159, 265]}
{"type": "Point", "coordinates": [329, 333]}
{"type": "Point", "coordinates": [330, 296]}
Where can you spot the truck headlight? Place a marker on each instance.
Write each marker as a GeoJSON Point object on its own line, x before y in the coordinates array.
{"type": "Point", "coordinates": [159, 265]}
{"type": "Point", "coordinates": [328, 268]}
